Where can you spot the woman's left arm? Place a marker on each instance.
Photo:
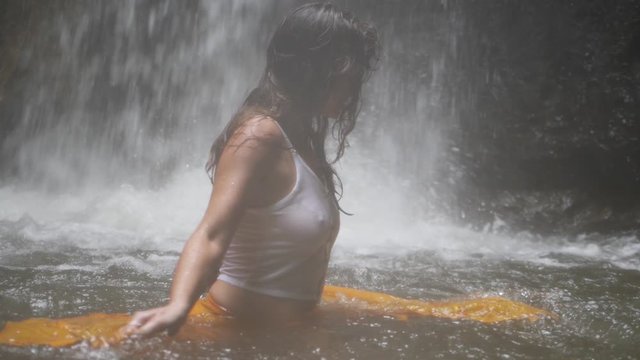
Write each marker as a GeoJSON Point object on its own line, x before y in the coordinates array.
{"type": "Point", "coordinates": [247, 157]}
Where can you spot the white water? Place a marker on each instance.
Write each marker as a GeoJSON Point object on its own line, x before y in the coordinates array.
{"type": "Point", "coordinates": [389, 220]}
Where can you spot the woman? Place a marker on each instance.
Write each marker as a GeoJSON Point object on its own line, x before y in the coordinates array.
{"type": "Point", "coordinates": [262, 247]}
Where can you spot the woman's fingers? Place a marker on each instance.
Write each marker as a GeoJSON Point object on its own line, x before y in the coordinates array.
{"type": "Point", "coordinates": [148, 322]}
{"type": "Point", "coordinates": [141, 317]}
{"type": "Point", "coordinates": [151, 327]}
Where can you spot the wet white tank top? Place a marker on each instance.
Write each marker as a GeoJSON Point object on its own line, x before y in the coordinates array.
{"type": "Point", "coordinates": [283, 249]}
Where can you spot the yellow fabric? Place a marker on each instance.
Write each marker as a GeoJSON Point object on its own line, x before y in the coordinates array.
{"type": "Point", "coordinates": [487, 309]}
{"type": "Point", "coordinates": [104, 329]}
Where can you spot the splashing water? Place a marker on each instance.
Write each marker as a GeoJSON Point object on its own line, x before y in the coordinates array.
{"type": "Point", "coordinates": [141, 107]}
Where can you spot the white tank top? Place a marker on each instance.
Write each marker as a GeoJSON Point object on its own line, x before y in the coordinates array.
{"type": "Point", "coordinates": [283, 249]}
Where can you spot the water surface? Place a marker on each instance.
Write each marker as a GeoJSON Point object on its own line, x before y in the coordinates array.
{"type": "Point", "coordinates": [68, 255]}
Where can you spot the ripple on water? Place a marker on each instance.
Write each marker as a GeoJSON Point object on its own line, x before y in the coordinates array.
{"type": "Point", "coordinates": [45, 274]}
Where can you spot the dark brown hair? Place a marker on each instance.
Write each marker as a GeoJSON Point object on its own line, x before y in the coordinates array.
{"type": "Point", "coordinates": [315, 45]}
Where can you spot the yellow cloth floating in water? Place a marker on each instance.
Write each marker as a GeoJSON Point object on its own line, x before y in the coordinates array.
{"type": "Point", "coordinates": [104, 329]}
{"type": "Point", "coordinates": [487, 309]}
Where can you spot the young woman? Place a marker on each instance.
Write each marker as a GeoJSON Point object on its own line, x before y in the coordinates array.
{"type": "Point", "coordinates": [262, 247]}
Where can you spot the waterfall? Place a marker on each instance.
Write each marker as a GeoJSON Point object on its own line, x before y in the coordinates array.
{"type": "Point", "coordinates": [484, 115]}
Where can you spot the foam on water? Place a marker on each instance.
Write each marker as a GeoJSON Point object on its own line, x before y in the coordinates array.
{"type": "Point", "coordinates": [121, 218]}
{"type": "Point", "coordinates": [386, 222]}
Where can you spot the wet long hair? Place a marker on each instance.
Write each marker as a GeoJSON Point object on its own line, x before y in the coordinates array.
{"type": "Point", "coordinates": [315, 44]}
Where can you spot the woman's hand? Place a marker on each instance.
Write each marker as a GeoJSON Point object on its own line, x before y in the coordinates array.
{"type": "Point", "coordinates": [152, 321]}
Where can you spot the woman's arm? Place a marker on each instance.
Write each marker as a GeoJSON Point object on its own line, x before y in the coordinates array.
{"type": "Point", "coordinates": [249, 154]}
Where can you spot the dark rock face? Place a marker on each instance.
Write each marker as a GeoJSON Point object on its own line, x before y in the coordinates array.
{"type": "Point", "coordinates": [552, 139]}
{"type": "Point", "coordinates": [536, 105]}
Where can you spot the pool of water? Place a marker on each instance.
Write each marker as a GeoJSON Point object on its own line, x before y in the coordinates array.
{"type": "Point", "coordinates": [69, 255]}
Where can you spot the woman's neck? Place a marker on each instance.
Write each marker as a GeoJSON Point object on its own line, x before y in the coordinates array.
{"type": "Point", "coordinates": [298, 132]}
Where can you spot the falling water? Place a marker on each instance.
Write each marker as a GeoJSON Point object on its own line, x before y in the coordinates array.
{"type": "Point", "coordinates": [108, 111]}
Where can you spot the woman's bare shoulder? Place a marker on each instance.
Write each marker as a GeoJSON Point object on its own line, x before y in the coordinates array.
{"type": "Point", "coordinates": [257, 131]}
{"type": "Point", "coordinates": [256, 139]}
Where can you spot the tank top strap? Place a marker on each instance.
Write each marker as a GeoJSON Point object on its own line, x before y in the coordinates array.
{"type": "Point", "coordinates": [286, 138]}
